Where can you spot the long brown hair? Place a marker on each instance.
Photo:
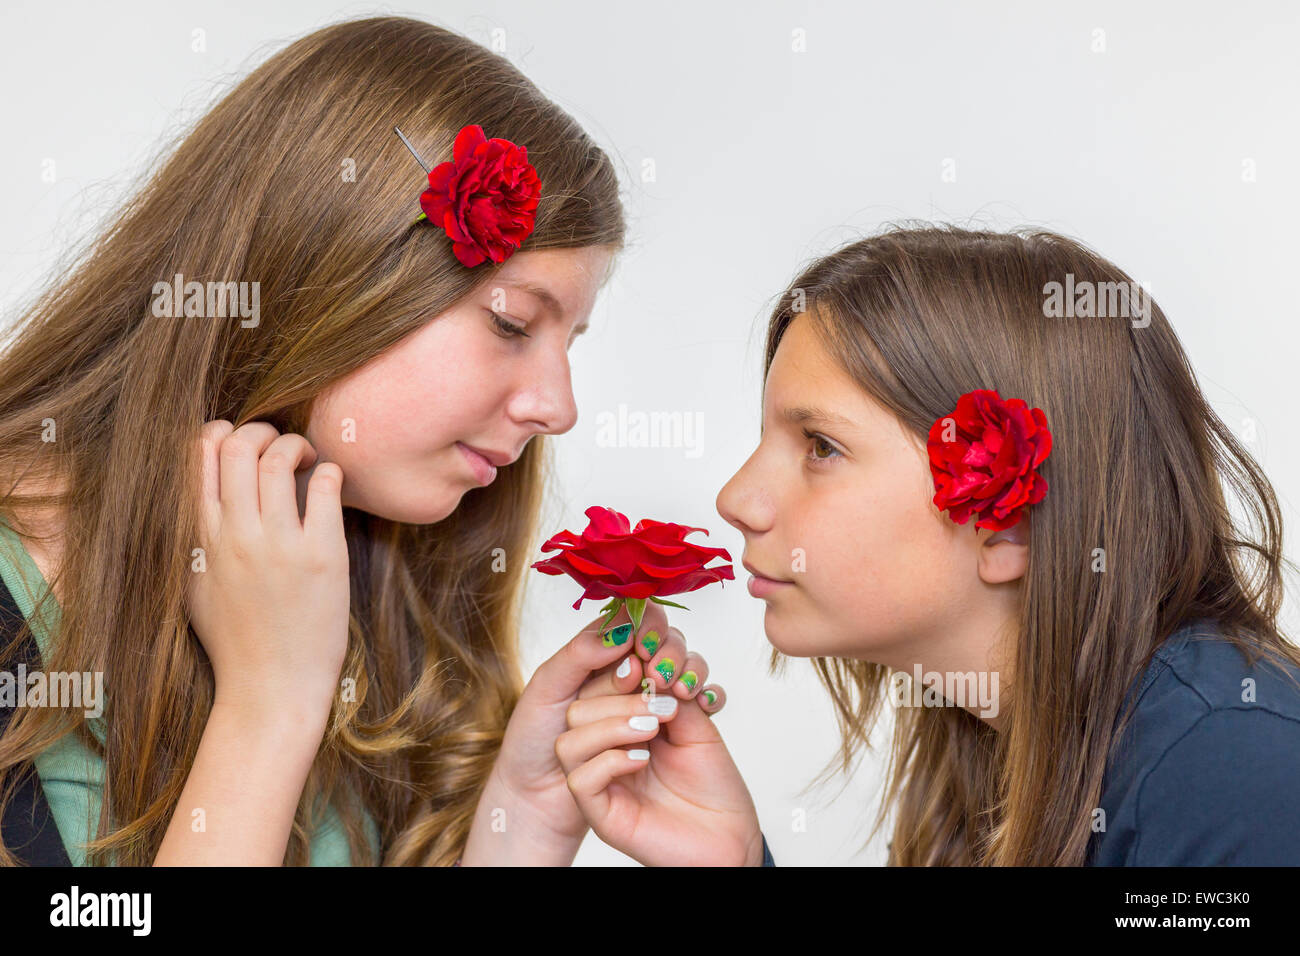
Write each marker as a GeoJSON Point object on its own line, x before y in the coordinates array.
{"type": "Point", "coordinates": [259, 190]}
{"type": "Point", "coordinates": [917, 317]}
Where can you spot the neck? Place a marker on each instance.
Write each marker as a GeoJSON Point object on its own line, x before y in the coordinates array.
{"type": "Point", "coordinates": [968, 662]}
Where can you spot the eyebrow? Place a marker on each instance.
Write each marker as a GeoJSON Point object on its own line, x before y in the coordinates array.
{"type": "Point", "coordinates": [799, 414]}
{"type": "Point", "coordinates": [549, 301]}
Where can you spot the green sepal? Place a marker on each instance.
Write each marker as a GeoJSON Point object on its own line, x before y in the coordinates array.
{"type": "Point", "coordinates": [418, 218]}
{"type": "Point", "coordinates": [635, 608]}
{"type": "Point", "coordinates": [613, 607]}
{"type": "Point", "coordinates": [669, 603]}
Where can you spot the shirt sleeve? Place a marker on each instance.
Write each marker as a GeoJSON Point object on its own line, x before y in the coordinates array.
{"type": "Point", "coordinates": [767, 854]}
{"type": "Point", "coordinates": [1225, 793]}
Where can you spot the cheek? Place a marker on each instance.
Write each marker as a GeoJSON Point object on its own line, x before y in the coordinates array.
{"type": "Point", "coordinates": [392, 424]}
{"type": "Point", "coordinates": [407, 405]}
{"type": "Point", "coordinates": [885, 568]}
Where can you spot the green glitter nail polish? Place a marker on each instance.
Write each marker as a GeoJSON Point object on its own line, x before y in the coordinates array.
{"type": "Point", "coordinates": [665, 668]}
{"type": "Point", "coordinates": [710, 696]}
{"type": "Point", "coordinates": [617, 635]}
{"type": "Point", "coordinates": [651, 641]}
{"type": "Point", "coordinates": [690, 679]}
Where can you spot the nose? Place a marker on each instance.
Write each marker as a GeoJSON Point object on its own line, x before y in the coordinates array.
{"type": "Point", "coordinates": [545, 399]}
{"type": "Point", "coordinates": [745, 503]}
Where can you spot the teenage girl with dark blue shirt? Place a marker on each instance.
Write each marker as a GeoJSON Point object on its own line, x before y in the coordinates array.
{"type": "Point", "coordinates": [1009, 519]}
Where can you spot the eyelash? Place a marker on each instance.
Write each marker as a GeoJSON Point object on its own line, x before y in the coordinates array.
{"type": "Point", "coordinates": [812, 436]}
{"type": "Point", "coordinates": [508, 329]}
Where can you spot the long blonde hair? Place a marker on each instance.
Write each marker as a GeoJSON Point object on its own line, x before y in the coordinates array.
{"type": "Point", "coordinates": [917, 317]}
{"type": "Point", "coordinates": [258, 191]}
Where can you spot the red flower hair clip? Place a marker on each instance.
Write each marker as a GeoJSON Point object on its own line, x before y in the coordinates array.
{"type": "Point", "coordinates": [984, 457]}
{"type": "Point", "coordinates": [485, 197]}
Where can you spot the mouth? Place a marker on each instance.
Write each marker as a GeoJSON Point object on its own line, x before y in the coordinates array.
{"type": "Point", "coordinates": [485, 471]}
{"type": "Point", "coordinates": [761, 586]}
{"type": "Point", "coordinates": [497, 459]}
{"type": "Point", "coordinates": [759, 574]}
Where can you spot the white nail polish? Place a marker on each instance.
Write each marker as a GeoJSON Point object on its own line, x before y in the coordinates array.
{"type": "Point", "coordinates": [638, 755]}
{"type": "Point", "coordinates": [625, 668]}
{"type": "Point", "coordinates": [662, 704]}
{"type": "Point", "coordinates": [643, 722]}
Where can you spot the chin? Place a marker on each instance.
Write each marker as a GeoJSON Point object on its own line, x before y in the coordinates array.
{"type": "Point", "coordinates": [799, 633]}
{"type": "Point", "coordinates": [427, 510]}
{"type": "Point", "coordinates": [784, 637]}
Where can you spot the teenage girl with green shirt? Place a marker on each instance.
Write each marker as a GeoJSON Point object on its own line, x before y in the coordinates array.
{"type": "Point", "coordinates": [279, 539]}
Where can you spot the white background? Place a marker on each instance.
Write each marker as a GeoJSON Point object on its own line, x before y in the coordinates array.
{"type": "Point", "coordinates": [764, 158]}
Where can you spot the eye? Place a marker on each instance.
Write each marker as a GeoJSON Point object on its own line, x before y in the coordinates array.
{"type": "Point", "coordinates": [818, 440]}
{"type": "Point", "coordinates": [508, 330]}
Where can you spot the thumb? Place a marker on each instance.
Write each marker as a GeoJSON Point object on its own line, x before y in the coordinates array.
{"type": "Point", "coordinates": [562, 676]}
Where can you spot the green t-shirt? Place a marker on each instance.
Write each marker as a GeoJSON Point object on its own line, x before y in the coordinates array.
{"type": "Point", "coordinates": [71, 775]}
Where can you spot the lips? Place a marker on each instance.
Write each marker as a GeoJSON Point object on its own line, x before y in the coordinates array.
{"type": "Point", "coordinates": [754, 571]}
{"type": "Point", "coordinates": [499, 459]}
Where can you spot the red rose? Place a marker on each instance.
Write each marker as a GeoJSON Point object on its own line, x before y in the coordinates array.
{"type": "Point", "coordinates": [485, 197]}
{"type": "Point", "coordinates": [648, 561]}
{"type": "Point", "coordinates": [987, 465]}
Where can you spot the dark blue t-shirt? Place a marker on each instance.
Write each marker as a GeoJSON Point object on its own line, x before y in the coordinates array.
{"type": "Point", "coordinates": [1208, 771]}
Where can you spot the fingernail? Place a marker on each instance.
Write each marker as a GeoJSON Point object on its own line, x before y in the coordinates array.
{"type": "Point", "coordinates": [616, 635]}
{"type": "Point", "coordinates": [643, 722]}
{"type": "Point", "coordinates": [638, 755]}
{"type": "Point", "coordinates": [709, 696]}
{"type": "Point", "coordinates": [625, 668]}
{"type": "Point", "coordinates": [651, 641]}
{"type": "Point", "coordinates": [662, 705]}
{"type": "Point", "coordinates": [690, 679]}
{"type": "Point", "coordinates": [665, 668]}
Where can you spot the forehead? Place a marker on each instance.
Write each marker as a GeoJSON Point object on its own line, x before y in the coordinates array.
{"type": "Point", "coordinates": [561, 278]}
{"type": "Point", "coordinates": [806, 384]}
{"type": "Point", "coordinates": [802, 371]}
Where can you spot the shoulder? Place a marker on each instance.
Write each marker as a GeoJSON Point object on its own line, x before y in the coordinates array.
{"type": "Point", "coordinates": [1205, 661]}
{"type": "Point", "coordinates": [1208, 769]}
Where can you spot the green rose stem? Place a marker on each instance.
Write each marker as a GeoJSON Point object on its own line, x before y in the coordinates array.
{"type": "Point", "coordinates": [635, 609]}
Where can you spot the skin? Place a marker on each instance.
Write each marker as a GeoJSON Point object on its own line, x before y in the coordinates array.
{"type": "Point", "coordinates": [882, 576]}
{"type": "Point", "coordinates": [41, 530]}
{"type": "Point", "coordinates": [489, 391]}
{"type": "Point", "coordinates": [457, 378]}
{"type": "Point", "coordinates": [412, 403]}
{"type": "Point", "coordinates": [886, 576]}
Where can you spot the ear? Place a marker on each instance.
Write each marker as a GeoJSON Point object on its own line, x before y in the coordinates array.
{"type": "Point", "coordinates": [1004, 555]}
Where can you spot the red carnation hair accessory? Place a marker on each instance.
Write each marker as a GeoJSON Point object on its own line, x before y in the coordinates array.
{"type": "Point", "coordinates": [485, 197]}
{"type": "Point", "coordinates": [984, 457]}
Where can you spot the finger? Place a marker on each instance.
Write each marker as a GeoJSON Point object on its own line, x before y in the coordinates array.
{"type": "Point", "coordinates": [665, 666]}
{"type": "Point", "coordinates": [583, 712]}
{"type": "Point", "coordinates": [211, 435]}
{"type": "Point", "coordinates": [276, 484]}
{"type": "Point", "coordinates": [589, 783]}
{"type": "Point", "coordinates": [240, 452]}
{"type": "Point", "coordinates": [575, 747]}
{"type": "Point", "coordinates": [695, 671]}
{"type": "Point", "coordinates": [650, 635]}
{"type": "Point", "coordinates": [619, 632]}
{"type": "Point", "coordinates": [621, 678]}
{"type": "Point", "coordinates": [692, 725]}
{"type": "Point", "coordinates": [323, 520]}
{"type": "Point", "coordinates": [561, 676]}
{"type": "Point", "coordinates": [711, 698]}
